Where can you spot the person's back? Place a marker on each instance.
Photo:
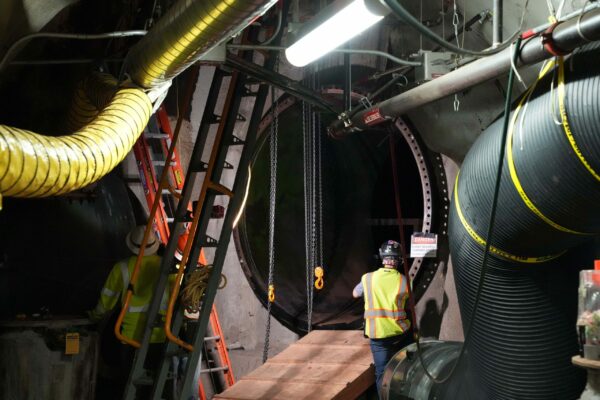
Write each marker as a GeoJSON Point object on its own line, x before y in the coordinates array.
{"type": "Point", "coordinates": [385, 293]}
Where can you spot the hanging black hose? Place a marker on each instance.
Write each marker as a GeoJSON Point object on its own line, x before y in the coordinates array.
{"type": "Point", "coordinates": [490, 231]}
{"type": "Point", "coordinates": [523, 335]}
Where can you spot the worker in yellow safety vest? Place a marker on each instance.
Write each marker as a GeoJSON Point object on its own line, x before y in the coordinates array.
{"type": "Point", "coordinates": [385, 293]}
{"type": "Point", "coordinates": [113, 293]}
{"type": "Point", "coordinates": [115, 288]}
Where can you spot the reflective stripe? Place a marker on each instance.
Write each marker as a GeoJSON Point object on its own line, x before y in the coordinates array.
{"type": "Point", "coordinates": [371, 325]}
{"type": "Point", "coordinates": [385, 314]}
{"type": "Point", "coordinates": [404, 324]}
{"type": "Point", "coordinates": [107, 292]}
{"type": "Point", "coordinates": [124, 275]}
{"type": "Point", "coordinates": [163, 303]}
{"type": "Point", "coordinates": [139, 309]}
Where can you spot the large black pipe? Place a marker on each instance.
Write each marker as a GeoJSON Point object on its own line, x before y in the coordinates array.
{"type": "Point", "coordinates": [524, 328]}
{"type": "Point", "coordinates": [566, 37]}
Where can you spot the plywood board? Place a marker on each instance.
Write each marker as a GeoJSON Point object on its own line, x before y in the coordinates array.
{"type": "Point", "coordinates": [324, 365]}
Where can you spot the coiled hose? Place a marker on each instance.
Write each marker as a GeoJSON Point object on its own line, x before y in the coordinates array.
{"type": "Point", "coordinates": [33, 165]}
{"type": "Point", "coordinates": [524, 328]}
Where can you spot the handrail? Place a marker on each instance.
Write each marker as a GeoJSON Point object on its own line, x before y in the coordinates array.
{"type": "Point", "coordinates": [206, 184]}
{"type": "Point", "coordinates": [163, 184]}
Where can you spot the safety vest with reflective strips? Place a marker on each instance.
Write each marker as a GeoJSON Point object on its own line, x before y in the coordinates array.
{"type": "Point", "coordinates": [115, 287]}
{"type": "Point", "coordinates": [385, 293]}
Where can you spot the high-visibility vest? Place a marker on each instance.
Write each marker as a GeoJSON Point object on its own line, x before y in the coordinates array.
{"type": "Point", "coordinates": [116, 286]}
{"type": "Point", "coordinates": [385, 293]}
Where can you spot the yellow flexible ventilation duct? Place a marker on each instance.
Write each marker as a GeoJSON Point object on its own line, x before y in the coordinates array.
{"type": "Point", "coordinates": [189, 30]}
{"type": "Point", "coordinates": [33, 165]}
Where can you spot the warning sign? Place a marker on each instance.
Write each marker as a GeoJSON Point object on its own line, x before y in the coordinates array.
{"type": "Point", "coordinates": [423, 244]}
{"type": "Point", "coordinates": [373, 117]}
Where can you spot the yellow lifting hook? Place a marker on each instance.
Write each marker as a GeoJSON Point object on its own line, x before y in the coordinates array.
{"type": "Point", "coordinates": [271, 293]}
{"type": "Point", "coordinates": [319, 283]}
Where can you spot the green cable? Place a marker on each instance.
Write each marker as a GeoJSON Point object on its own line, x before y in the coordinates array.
{"type": "Point", "coordinates": [484, 268]}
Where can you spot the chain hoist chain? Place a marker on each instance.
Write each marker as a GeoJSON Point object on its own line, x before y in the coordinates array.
{"type": "Point", "coordinates": [455, 23]}
{"type": "Point", "coordinates": [306, 205]}
{"type": "Point", "coordinates": [272, 201]}
{"type": "Point", "coordinates": [320, 188]}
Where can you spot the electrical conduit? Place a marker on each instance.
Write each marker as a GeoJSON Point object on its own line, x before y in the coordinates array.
{"type": "Point", "coordinates": [524, 328]}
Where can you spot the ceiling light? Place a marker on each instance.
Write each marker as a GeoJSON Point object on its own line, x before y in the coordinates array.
{"type": "Point", "coordinates": [347, 23]}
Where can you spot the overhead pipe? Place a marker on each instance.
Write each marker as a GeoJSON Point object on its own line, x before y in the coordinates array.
{"type": "Point", "coordinates": [523, 330]}
{"type": "Point", "coordinates": [33, 165]}
{"type": "Point", "coordinates": [497, 25]}
{"type": "Point", "coordinates": [562, 38]}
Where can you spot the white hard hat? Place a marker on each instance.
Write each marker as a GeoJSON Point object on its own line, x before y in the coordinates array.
{"type": "Point", "coordinates": [134, 241]}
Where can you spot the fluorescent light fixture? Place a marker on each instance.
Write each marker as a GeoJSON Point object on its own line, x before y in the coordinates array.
{"type": "Point", "coordinates": [350, 21]}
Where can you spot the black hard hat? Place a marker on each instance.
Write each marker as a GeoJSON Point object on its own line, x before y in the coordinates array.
{"type": "Point", "coordinates": [389, 248]}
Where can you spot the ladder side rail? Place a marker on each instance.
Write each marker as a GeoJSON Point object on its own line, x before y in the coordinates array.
{"type": "Point", "coordinates": [194, 167]}
{"type": "Point", "coordinates": [176, 169]}
{"type": "Point", "coordinates": [221, 346]}
{"type": "Point", "coordinates": [149, 185]}
{"type": "Point", "coordinates": [188, 387]}
{"type": "Point", "coordinates": [167, 264]}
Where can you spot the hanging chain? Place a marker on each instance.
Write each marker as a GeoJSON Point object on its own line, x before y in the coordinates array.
{"type": "Point", "coordinates": [320, 188]}
{"type": "Point", "coordinates": [455, 23]}
{"type": "Point", "coordinates": [272, 200]}
{"type": "Point", "coordinates": [307, 207]}
{"type": "Point", "coordinates": [305, 155]}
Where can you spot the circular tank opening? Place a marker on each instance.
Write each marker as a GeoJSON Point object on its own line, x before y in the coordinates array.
{"type": "Point", "coordinates": [358, 209]}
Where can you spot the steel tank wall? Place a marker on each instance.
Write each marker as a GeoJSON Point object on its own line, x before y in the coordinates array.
{"type": "Point", "coordinates": [56, 253]}
{"type": "Point", "coordinates": [33, 363]}
{"type": "Point", "coordinates": [358, 214]}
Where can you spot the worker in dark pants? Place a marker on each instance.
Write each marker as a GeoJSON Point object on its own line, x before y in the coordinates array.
{"type": "Point", "coordinates": [385, 292]}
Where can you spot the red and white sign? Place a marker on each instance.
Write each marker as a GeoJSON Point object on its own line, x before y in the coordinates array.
{"type": "Point", "coordinates": [423, 244]}
{"type": "Point", "coordinates": [373, 117]}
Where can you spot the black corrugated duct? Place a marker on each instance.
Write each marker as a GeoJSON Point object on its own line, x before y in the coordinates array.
{"type": "Point", "coordinates": [549, 201]}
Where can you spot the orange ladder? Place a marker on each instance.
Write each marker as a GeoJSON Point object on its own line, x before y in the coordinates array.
{"type": "Point", "coordinates": [149, 158]}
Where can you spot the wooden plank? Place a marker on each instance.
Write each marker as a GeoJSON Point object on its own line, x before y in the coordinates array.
{"type": "Point", "coordinates": [257, 390]}
{"type": "Point", "coordinates": [585, 362]}
{"type": "Point", "coordinates": [324, 355]}
{"type": "Point", "coordinates": [311, 373]}
{"type": "Point", "coordinates": [335, 338]}
{"type": "Point", "coordinates": [358, 386]}
{"type": "Point", "coordinates": [324, 365]}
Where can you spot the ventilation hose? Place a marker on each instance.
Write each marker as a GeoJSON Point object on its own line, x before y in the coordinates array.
{"type": "Point", "coordinates": [33, 165]}
{"type": "Point", "coordinates": [523, 332]}
{"type": "Point", "coordinates": [189, 30]}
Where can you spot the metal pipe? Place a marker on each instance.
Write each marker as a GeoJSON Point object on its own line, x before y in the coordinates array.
{"type": "Point", "coordinates": [497, 23]}
{"type": "Point", "coordinates": [283, 82]}
{"type": "Point", "coordinates": [566, 37]}
{"type": "Point", "coordinates": [342, 51]}
{"type": "Point", "coordinates": [18, 45]}
{"type": "Point", "coordinates": [347, 82]}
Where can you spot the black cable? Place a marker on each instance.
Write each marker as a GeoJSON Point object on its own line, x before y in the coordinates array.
{"type": "Point", "coordinates": [490, 231]}
{"type": "Point", "coordinates": [407, 17]}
